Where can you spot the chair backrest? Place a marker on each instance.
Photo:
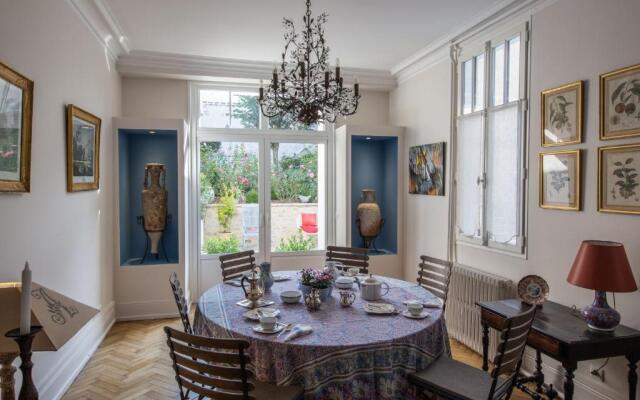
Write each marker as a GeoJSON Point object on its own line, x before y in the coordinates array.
{"type": "Point", "coordinates": [211, 368]}
{"type": "Point", "coordinates": [234, 264]}
{"type": "Point", "coordinates": [434, 275]}
{"type": "Point", "coordinates": [350, 257]}
{"type": "Point", "coordinates": [509, 354]}
{"type": "Point", "coordinates": [181, 302]}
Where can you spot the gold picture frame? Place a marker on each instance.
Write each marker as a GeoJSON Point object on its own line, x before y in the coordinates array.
{"type": "Point", "coordinates": [83, 150]}
{"type": "Point", "coordinates": [560, 180]}
{"type": "Point", "coordinates": [620, 103]}
{"type": "Point", "coordinates": [561, 114]}
{"type": "Point", "coordinates": [623, 195]}
{"type": "Point", "coordinates": [16, 108]}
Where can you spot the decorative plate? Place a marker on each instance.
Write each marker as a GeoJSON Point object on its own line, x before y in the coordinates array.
{"type": "Point", "coordinates": [380, 308]}
{"type": "Point", "coordinates": [281, 277]}
{"type": "Point", "coordinates": [533, 290]}
{"type": "Point", "coordinates": [260, 329]}
{"type": "Point", "coordinates": [423, 314]}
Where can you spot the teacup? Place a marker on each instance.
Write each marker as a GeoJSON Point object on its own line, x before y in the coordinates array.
{"type": "Point", "coordinates": [268, 322]}
{"type": "Point", "coordinates": [415, 308]}
{"type": "Point", "coordinates": [353, 271]}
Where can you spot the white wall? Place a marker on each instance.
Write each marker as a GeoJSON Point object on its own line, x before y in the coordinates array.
{"type": "Point", "coordinates": [155, 98]}
{"type": "Point", "coordinates": [571, 40]}
{"type": "Point", "coordinates": [67, 237]}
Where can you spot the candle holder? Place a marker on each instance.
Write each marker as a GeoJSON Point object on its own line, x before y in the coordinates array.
{"type": "Point", "coordinates": [28, 391]}
{"type": "Point", "coordinates": [7, 370]}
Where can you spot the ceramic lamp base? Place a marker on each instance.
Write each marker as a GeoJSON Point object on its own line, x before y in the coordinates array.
{"type": "Point", "coordinates": [599, 316]}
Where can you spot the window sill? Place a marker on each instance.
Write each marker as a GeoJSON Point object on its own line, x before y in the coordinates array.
{"type": "Point", "coordinates": [516, 254]}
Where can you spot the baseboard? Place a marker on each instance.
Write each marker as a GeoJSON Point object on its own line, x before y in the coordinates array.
{"type": "Point", "coordinates": [65, 364]}
{"type": "Point", "coordinates": [141, 310]}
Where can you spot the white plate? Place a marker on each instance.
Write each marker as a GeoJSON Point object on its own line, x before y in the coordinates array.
{"type": "Point", "coordinates": [379, 308]}
{"type": "Point", "coordinates": [255, 316]}
{"type": "Point", "coordinates": [277, 329]}
{"type": "Point", "coordinates": [280, 277]}
{"type": "Point", "coordinates": [423, 314]}
{"type": "Point", "coordinates": [433, 303]}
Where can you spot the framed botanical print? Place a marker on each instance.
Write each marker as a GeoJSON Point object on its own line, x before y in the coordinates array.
{"type": "Point", "coordinates": [620, 103]}
{"type": "Point", "coordinates": [560, 180]}
{"type": "Point", "coordinates": [16, 105]}
{"type": "Point", "coordinates": [562, 114]}
{"type": "Point", "coordinates": [618, 183]}
{"type": "Point", "coordinates": [83, 150]}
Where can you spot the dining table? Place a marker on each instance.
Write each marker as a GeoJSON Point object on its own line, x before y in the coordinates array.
{"type": "Point", "coordinates": [350, 354]}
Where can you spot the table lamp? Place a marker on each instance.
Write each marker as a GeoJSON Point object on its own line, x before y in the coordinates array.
{"type": "Point", "coordinates": [55, 316]}
{"type": "Point", "coordinates": [602, 266]}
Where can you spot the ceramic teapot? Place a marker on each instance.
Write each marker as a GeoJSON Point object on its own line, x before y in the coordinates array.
{"type": "Point", "coordinates": [256, 287]}
{"type": "Point", "coordinates": [371, 289]}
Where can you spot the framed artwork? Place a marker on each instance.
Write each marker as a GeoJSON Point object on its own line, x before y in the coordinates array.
{"type": "Point", "coordinates": [618, 183]}
{"type": "Point", "coordinates": [560, 180]}
{"type": "Point", "coordinates": [16, 106]}
{"type": "Point", "coordinates": [620, 103]}
{"type": "Point", "coordinates": [562, 114]}
{"type": "Point", "coordinates": [426, 169]}
{"type": "Point", "coordinates": [83, 150]}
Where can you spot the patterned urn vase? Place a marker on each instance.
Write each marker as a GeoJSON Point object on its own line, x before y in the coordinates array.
{"type": "Point", "coordinates": [369, 219]}
{"type": "Point", "coordinates": [154, 204]}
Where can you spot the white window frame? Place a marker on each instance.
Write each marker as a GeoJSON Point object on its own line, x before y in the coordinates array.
{"type": "Point", "coordinates": [468, 51]}
{"type": "Point", "coordinates": [263, 136]}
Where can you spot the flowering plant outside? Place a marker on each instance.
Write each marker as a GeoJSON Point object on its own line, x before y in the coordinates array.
{"type": "Point", "coordinates": [316, 279]}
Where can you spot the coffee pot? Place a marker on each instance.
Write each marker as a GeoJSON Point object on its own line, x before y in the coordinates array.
{"type": "Point", "coordinates": [256, 287]}
{"type": "Point", "coordinates": [371, 289]}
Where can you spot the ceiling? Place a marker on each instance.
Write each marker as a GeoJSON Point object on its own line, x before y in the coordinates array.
{"type": "Point", "coordinates": [374, 34]}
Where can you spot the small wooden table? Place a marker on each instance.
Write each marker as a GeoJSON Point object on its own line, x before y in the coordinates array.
{"type": "Point", "coordinates": [560, 333]}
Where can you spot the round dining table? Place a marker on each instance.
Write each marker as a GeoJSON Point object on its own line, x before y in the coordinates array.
{"type": "Point", "coordinates": [349, 355]}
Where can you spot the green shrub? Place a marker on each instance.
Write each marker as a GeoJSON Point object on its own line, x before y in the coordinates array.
{"type": "Point", "coordinates": [251, 197]}
{"type": "Point", "coordinates": [222, 245]}
{"type": "Point", "coordinates": [227, 209]}
{"type": "Point", "coordinates": [297, 242]}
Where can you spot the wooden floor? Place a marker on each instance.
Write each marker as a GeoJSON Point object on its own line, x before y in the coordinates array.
{"type": "Point", "coordinates": [133, 363]}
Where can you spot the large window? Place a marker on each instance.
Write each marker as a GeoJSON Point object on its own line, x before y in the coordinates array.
{"type": "Point", "coordinates": [263, 183]}
{"type": "Point", "coordinates": [490, 144]}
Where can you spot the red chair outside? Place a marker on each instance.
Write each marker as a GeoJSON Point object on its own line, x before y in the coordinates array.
{"type": "Point", "coordinates": [309, 222]}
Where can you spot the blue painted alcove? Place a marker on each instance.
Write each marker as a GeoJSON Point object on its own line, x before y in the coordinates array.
{"type": "Point", "coordinates": [374, 165]}
{"type": "Point", "coordinates": [135, 149]}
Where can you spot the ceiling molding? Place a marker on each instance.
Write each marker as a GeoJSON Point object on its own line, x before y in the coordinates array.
{"type": "Point", "coordinates": [178, 66]}
{"type": "Point", "coordinates": [104, 26]}
{"type": "Point", "coordinates": [438, 50]}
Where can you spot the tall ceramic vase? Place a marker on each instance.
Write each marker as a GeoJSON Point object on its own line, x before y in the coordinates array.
{"type": "Point", "coordinates": [154, 204]}
{"type": "Point", "coordinates": [369, 218]}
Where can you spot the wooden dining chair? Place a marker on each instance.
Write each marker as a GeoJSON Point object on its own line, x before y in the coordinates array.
{"type": "Point", "coordinates": [449, 379]}
{"type": "Point", "coordinates": [434, 275]}
{"type": "Point", "coordinates": [181, 302]}
{"type": "Point", "coordinates": [219, 369]}
{"type": "Point", "coordinates": [350, 257]}
{"type": "Point", "coordinates": [234, 264]}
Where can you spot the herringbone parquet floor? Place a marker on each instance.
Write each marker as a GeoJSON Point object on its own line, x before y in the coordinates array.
{"type": "Point", "coordinates": [133, 363]}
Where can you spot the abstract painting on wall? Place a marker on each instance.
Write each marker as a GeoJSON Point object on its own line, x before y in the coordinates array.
{"type": "Point", "coordinates": [426, 169]}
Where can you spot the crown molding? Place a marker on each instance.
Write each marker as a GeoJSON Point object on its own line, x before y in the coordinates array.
{"type": "Point", "coordinates": [438, 50]}
{"type": "Point", "coordinates": [103, 25]}
{"type": "Point", "coordinates": [139, 63]}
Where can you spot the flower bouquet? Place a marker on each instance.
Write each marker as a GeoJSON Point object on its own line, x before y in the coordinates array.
{"type": "Point", "coordinates": [311, 278]}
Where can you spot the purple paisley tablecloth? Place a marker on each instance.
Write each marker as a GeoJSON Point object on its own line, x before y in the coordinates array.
{"type": "Point", "coordinates": [350, 354]}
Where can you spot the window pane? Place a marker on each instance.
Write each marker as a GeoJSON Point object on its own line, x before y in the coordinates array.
{"type": "Point", "coordinates": [214, 109]}
{"type": "Point", "coordinates": [514, 68]}
{"type": "Point", "coordinates": [229, 196]}
{"type": "Point", "coordinates": [467, 85]}
{"type": "Point", "coordinates": [297, 197]}
{"type": "Point", "coordinates": [503, 183]}
{"type": "Point", "coordinates": [479, 103]}
{"type": "Point", "coordinates": [469, 169]}
{"type": "Point", "coordinates": [245, 110]}
{"type": "Point", "coordinates": [288, 122]}
{"type": "Point", "coordinates": [498, 75]}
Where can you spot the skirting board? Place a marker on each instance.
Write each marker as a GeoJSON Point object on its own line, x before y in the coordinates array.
{"type": "Point", "coordinates": [141, 310]}
{"type": "Point", "coordinates": [63, 366]}
{"type": "Point", "coordinates": [555, 376]}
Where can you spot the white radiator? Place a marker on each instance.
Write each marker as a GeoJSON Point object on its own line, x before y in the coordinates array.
{"type": "Point", "coordinates": [468, 286]}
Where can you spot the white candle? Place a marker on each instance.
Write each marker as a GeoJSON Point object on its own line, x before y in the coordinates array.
{"type": "Point", "coordinates": [25, 301]}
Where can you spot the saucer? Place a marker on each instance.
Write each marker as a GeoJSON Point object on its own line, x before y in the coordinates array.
{"type": "Point", "coordinates": [255, 316]}
{"type": "Point", "coordinates": [260, 329]}
{"type": "Point", "coordinates": [259, 303]}
{"type": "Point", "coordinates": [423, 314]}
{"type": "Point", "coordinates": [379, 308]}
{"type": "Point", "coordinates": [281, 277]}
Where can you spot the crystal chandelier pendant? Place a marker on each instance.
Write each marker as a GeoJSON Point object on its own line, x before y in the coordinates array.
{"type": "Point", "coordinates": [303, 87]}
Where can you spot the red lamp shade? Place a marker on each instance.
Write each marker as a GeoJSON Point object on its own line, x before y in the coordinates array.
{"type": "Point", "coordinates": [603, 266]}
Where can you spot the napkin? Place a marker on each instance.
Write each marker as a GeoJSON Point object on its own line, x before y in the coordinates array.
{"type": "Point", "coordinates": [429, 303]}
{"type": "Point", "coordinates": [297, 331]}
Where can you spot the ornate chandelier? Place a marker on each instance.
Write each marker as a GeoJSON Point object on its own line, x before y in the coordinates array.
{"type": "Point", "coordinates": [304, 88]}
